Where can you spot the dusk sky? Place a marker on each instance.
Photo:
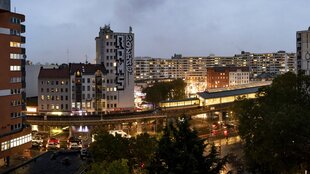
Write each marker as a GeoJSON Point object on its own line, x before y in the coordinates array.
{"type": "Point", "coordinates": [161, 27]}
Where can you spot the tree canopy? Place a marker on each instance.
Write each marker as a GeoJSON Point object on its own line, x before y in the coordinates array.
{"type": "Point", "coordinates": [274, 126]}
{"type": "Point", "coordinates": [180, 150]}
{"type": "Point", "coordinates": [137, 151]}
{"type": "Point", "coordinates": [165, 90]}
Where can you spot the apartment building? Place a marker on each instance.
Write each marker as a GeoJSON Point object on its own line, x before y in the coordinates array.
{"type": "Point", "coordinates": [303, 51]}
{"type": "Point", "coordinates": [154, 68]}
{"type": "Point", "coordinates": [15, 135]}
{"type": "Point", "coordinates": [195, 68]}
{"type": "Point", "coordinates": [222, 77]}
{"type": "Point", "coordinates": [269, 63]}
{"type": "Point", "coordinates": [54, 91]}
{"type": "Point", "coordinates": [76, 88]}
{"type": "Point", "coordinates": [88, 89]}
{"type": "Point", "coordinates": [116, 51]}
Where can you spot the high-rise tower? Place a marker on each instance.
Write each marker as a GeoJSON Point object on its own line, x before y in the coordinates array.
{"type": "Point", "coordinates": [116, 52]}
{"type": "Point", "coordinates": [303, 51]}
{"type": "Point", "coordinates": [14, 134]}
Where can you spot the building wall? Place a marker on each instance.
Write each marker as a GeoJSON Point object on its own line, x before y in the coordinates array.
{"type": "Point", "coordinates": [12, 86]}
{"type": "Point", "coordinates": [217, 78]}
{"type": "Point", "coordinates": [116, 52]}
{"type": "Point", "coordinates": [195, 67]}
{"type": "Point", "coordinates": [89, 100]}
{"type": "Point", "coordinates": [239, 77]}
{"type": "Point", "coordinates": [303, 50]}
{"type": "Point", "coordinates": [54, 95]}
{"type": "Point", "coordinates": [32, 73]}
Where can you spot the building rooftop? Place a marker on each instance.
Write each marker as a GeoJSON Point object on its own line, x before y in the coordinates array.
{"type": "Point", "coordinates": [228, 68]}
{"type": "Point", "coordinates": [55, 73]}
{"type": "Point", "coordinates": [236, 90]}
{"type": "Point", "coordinates": [86, 69]}
{"type": "Point", "coordinates": [208, 95]}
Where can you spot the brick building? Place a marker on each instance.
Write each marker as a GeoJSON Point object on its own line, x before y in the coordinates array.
{"type": "Point", "coordinates": [221, 77]}
{"type": "Point", "coordinates": [15, 136]}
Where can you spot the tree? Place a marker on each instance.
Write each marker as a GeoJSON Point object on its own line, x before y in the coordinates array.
{"type": "Point", "coordinates": [109, 148]}
{"type": "Point", "coordinates": [180, 150]}
{"type": "Point", "coordinates": [165, 90]}
{"type": "Point", "coordinates": [274, 126]}
{"type": "Point", "coordinates": [115, 167]}
{"type": "Point", "coordinates": [137, 151]}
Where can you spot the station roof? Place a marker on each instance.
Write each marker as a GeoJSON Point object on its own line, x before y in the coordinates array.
{"type": "Point", "coordinates": [209, 95]}
{"type": "Point", "coordinates": [187, 99]}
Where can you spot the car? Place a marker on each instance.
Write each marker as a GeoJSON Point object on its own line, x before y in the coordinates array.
{"type": "Point", "coordinates": [53, 143]}
{"type": "Point", "coordinates": [74, 139]}
{"type": "Point", "coordinates": [74, 146]}
{"type": "Point", "coordinates": [120, 132]}
{"type": "Point", "coordinates": [37, 141]}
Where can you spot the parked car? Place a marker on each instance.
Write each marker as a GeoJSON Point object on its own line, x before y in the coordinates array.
{"type": "Point", "coordinates": [120, 132]}
{"type": "Point", "coordinates": [53, 143]}
{"type": "Point", "coordinates": [74, 146]}
{"type": "Point", "coordinates": [37, 141]}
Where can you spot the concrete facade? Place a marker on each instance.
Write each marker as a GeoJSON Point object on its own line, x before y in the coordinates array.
{"type": "Point", "coordinates": [15, 135]}
{"type": "Point", "coordinates": [116, 52]}
{"type": "Point", "coordinates": [303, 51]}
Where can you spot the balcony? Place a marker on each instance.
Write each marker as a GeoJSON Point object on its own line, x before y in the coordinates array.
{"type": "Point", "coordinates": [22, 28]}
{"type": "Point", "coordinates": [23, 39]}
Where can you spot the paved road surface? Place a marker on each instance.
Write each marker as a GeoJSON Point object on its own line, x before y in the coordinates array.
{"type": "Point", "coordinates": [45, 165]}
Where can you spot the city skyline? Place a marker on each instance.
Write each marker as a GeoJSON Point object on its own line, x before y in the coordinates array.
{"type": "Point", "coordinates": [161, 28]}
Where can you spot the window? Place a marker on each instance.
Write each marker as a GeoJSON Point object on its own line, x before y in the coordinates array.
{"type": "Point", "coordinates": [15, 20]}
{"type": "Point", "coordinates": [14, 32]}
{"type": "Point", "coordinates": [15, 80]}
{"type": "Point", "coordinates": [88, 88]}
{"type": "Point", "coordinates": [15, 68]}
{"type": "Point", "coordinates": [115, 105]}
{"type": "Point", "coordinates": [16, 56]}
{"type": "Point", "coordinates": [15, 44]}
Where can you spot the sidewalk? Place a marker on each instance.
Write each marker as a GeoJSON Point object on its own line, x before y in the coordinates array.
{"type": "Point", "coordinates": [20, 159]}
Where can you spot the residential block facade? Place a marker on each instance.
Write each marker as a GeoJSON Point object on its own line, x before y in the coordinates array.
{"type": "Point", "coordinates": [116, 51]}
{"type": "Point", "coordinates": [303, 51]}
{"type": "Point", "coordinates": [15, 135]}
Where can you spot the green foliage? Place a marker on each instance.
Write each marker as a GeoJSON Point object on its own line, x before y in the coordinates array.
{"type": "Point", "coordinates": [110, 148]}
{"type": "Point", "coordinates": [180, 150]}
{"type": "Point", "coordinates": [274, 126]}
{"type": "Point", "coordinates": [115, 167]}
{"type": "Point", "coordinates": [165, 90]}
{"type": "Point", "coordinates": [137, 151]}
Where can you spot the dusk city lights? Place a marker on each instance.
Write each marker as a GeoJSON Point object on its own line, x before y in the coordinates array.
{"type": "Point", "coordinates": [154, 87]}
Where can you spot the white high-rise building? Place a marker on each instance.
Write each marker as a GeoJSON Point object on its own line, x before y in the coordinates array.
{"type": "Point", "coordinates": [303, 51]}
{"type": "Point", "coordinates": [116, 52]}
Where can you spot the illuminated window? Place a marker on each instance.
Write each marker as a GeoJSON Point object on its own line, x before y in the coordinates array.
{"type": "Point", "coordinates": [15, 68]}
{"type": "Point", "coordinates": [15, 44]}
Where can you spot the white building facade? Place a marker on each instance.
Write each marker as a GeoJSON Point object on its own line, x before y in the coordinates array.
{"type": "Point", "coordinates": [303, 51]}
{"type": "Point", "coordinates": [116, 52]}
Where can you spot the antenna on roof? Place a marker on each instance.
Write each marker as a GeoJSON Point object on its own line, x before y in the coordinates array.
{"type": "Point", "coordinates": [67, 55]}
{"type": "Point", "coordinates": [86, 59]}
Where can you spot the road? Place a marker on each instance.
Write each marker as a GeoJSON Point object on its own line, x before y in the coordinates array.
{"type": "Point", "coordinates": [46, 165]}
